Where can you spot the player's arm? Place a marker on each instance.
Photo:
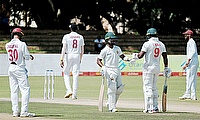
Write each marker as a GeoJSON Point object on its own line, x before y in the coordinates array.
{"type": "Point", "coordinates": [165, 60]}
{"type": "Point", "coordinates": [27, 55]}
{"type": "Point", "coordinates": [99, 62]}
{"type": "Point", "coordinates": [167, 71]}
{"type": "Point", "coordinates": [187, 64]}
{"type": "Point", "coordinates": [141, 54]}
{"type": "Point", "coordinates": [62, 55]}
{"type": "Point", "coordinates": [125, 58]}
{"type": "Point", "coordinates": [82, 52]}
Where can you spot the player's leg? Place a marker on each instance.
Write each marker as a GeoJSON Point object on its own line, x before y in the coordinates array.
{"type": "Point", "coordinates": [112, 87]}
{"type": "Point", "coordinates": [14, 89]}
{"type": "Point", "coordinates": [75, 72]}
{"type": "Point", "coordinates": [148, 93]}
{"type": "Point", "coordinates": [24, 88]}
{"type": "Point", "coordinates": [186, 95]}
{"type": "Point", "coordinates": [119, 92]}
{"type": "Point", "coordinates": [188, 82]}
{"type": "Point", "coordinates": [67, 84]}
{"type": "Point", "coordinates": [66, 71]}
{"type": "Point", "coordinates": [112, 96]}
{"type": "Point", "coordinates": [155, 93]}
{"type": "Point", "coordinates": [120, 86]}
{"type": "Point", "coordinates": [193, 81]}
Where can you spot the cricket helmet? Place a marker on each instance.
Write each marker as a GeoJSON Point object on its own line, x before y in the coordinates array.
{"type": "Point", "coordinates": [17, 31]}
{"type": "Point", "coordinates": [110, 39]}
{"type": "Point", "coordinates": [151, 31]}
{"type": "Point", "coordinates": [188, 32]}
{"type": "Point", "coordinates": [110, 35]}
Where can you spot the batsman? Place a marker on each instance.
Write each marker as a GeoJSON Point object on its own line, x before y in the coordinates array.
{"type": "Point", "coordinates": [152, 50]}
{"type": "Point", "coordinates": [110, 55]}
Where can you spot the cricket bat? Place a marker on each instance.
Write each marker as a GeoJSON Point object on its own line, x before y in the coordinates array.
{"type": "Point", "coordinates": [164, 96]}
{"type": "Point", "coordinates": [101, 95]}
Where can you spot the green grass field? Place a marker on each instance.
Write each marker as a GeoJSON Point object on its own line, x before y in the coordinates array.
{"type": "Point", "coordinates": [89, 89]}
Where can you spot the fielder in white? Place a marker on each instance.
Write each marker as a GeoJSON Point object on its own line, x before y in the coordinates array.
{"type": "Point", "coordinates": [191, 67]}
{"type": "Point", "coordinates": [18, 77]}
{"type": "Point", "coordinates": [71, 55]}
{"type": "Point", "coordinates": [152, 50]}
{"type": "Point", "coordinates": [110, 55]}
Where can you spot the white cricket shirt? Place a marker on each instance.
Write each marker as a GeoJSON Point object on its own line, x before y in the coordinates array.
{"type": "Point", "coordinates": [192, 50]}
{"type": "Point", "coordinates": [74, 42]}
{"type": "Point", "coordinates": [154, 49]}
{"type": "Point", "coordinates": [110, 56]}
{"type": "Point", "coordinates": [17, 52]}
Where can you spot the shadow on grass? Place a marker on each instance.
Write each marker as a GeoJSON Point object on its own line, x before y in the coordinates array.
{"type": "Point", "coordinates": [52, 115]}
{"type": "Point", "coordinates": [140, 111]}
{"type": "Point", "coordinates": [130, 111]}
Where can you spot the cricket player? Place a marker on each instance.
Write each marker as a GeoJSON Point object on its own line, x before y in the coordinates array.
{"type": "Point", "coordinates": [18, 77]}
{"type": "Point", "coordinates": [191, 67]}
{"type": "Point", "coordinates": [110, 55]}
{"type": "Point", "coordinates": [71, 56]}
{"type": "Point", "coordinates": [152, 50]}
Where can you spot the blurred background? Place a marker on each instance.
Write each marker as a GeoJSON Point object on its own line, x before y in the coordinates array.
{"type": "Point", "coordinates": [125, 16]}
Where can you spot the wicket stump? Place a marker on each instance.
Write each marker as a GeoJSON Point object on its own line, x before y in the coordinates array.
{"type": "Point", "coordinates": [49, 84]}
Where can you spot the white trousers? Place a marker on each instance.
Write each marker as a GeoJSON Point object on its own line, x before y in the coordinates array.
{"type": "Point", "coordinates": [18, 79]}
{"type": "Point", "coordinates": [191, 80]}
{"type": "Point", "coordinates": [150, 90]}
{"type": "Point", "coordinates": [72, 63]}
{"type": "Point", "coordinates": [114, 81]}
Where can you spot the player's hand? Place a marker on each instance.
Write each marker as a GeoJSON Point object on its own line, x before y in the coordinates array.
{"type": "Point", "coordinates": [103, 69]}
{"type": "Point", "coordinates": [31, 57]}
{"type": "Point", "coordinates": [135, 56]}
{"type": "Point", "coordinates": [61, 63]}
{"type": "Point", "coordinates": [185, 66]}
{"type": "Point", "coordinates": [167, 72]}
{"type": "Point", "coordinates": [126, 59]}
{"type": "Point", "coordinates": [132, 61]}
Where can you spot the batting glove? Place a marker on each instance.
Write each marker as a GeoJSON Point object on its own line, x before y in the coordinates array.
{"type": "Point", "coordinates": [103, 69]}
{"type": "Point", "coordinates": [135, 56]}
{"type": "Point", "coordinates": [167, 72]}
{"type": "Point", "coordinates": [127, 59]}
{"type": "Point", "coordinates": [132, 61]}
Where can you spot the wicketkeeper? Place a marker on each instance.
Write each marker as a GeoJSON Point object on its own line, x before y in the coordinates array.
{"type": "Point", "coordinates": [110, 54]}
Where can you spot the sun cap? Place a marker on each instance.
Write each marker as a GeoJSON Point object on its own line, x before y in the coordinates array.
{"type": "Point", "coordinates": [188, 32]}
{"type": "Point", "coordinates": [110, 35]}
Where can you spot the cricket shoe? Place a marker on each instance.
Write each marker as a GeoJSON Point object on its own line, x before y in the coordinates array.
{"type": "Point", "coordinates": [194, 98]}
{"type": "Point", "coordinates": [113, 110]}
{"type": "Point", "coordinates": [26, 114]}
{"type": "Point", "coordinates": [74, 97]}
{"type": "Point", "coordinates": [15, 114]}
{"type": "Point", "coordinates": [185, 96]}
{"type": "Point", "coordinates": [68, 95]}
{"type": "Point", "coordinates": [156, 110]}
{"type": "Point", "coordinates": [147, 111]}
